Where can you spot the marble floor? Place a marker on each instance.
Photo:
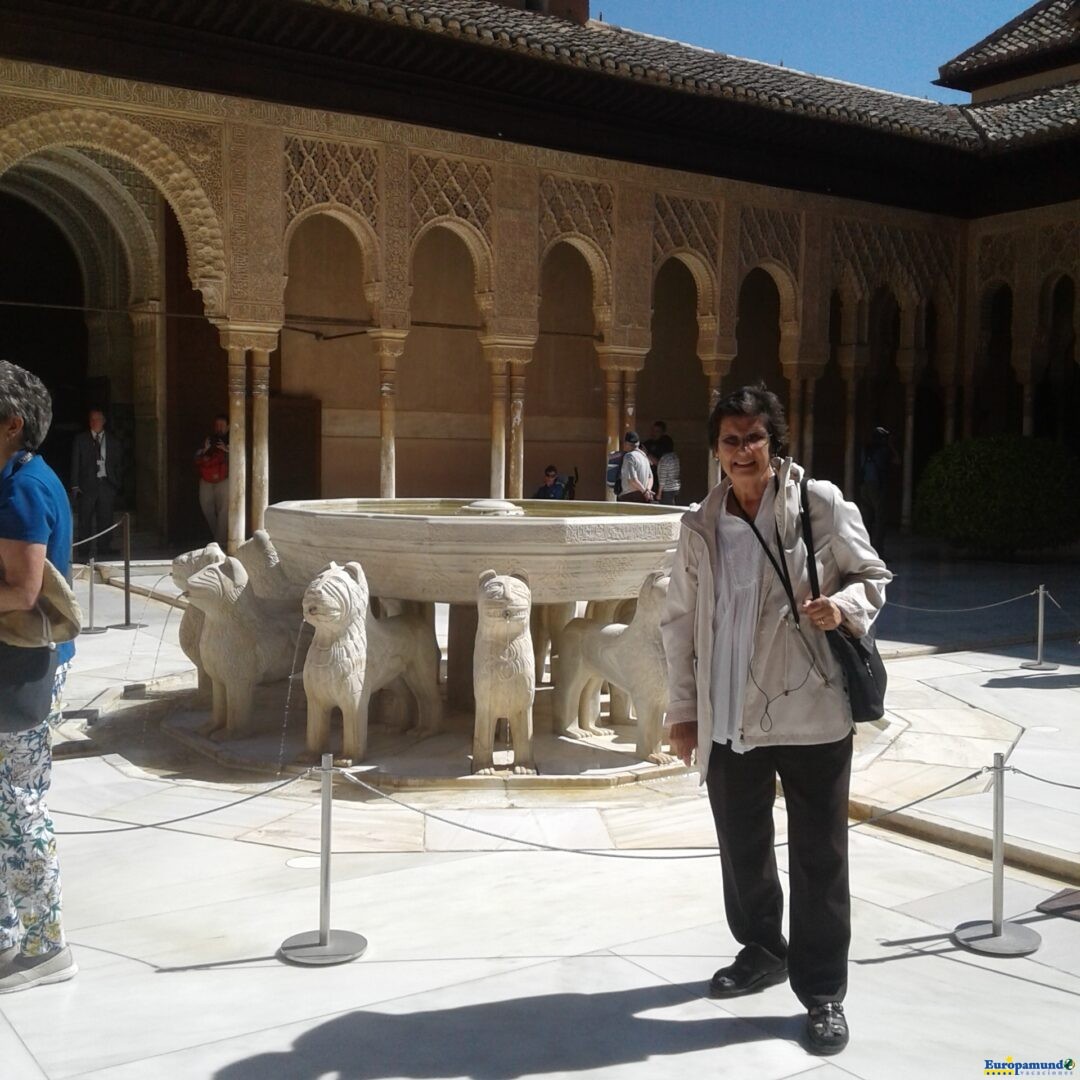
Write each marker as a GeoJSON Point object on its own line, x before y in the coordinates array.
{"type": "Point", "coordinates": [487, 962]}
{"type": "Point", "coordinates": [491, 960]}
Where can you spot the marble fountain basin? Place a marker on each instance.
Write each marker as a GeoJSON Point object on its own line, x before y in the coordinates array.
{"type": "Point", "coordinates": [435, 549]}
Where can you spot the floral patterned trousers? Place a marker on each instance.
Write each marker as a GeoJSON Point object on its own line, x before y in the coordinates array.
{"type": "Point", "coordinates": [29, 867]}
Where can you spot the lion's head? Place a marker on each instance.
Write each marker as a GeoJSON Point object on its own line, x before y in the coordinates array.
{"type": "Point", "coordinates": [503, 597]}
{"type": "Point", "coordinates": [337, 597]}
{"type": "Point", "coordinates": [191, 562]}
{"type": "Point", "coordinates": [219, 582]}
{"type": "Point", "coordinates": [654, 590]}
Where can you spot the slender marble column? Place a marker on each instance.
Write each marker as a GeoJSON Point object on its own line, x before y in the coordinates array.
{"type": "Point", "coordinates": [260, 436]}
{"type": "Point", "coordinates": [388, 347]}
{"type": "Point", "coordinates": [237, 446]}
{"type": "Point", "coordinates": [629, 422]}
{"type": "Point", "coordinates": [517, 430]}
{"type": "Point", "coordinates": [807, 458]}
{"type": "Point", "coordinates": [613, 416]}
{"type": "Point", "coordinates": [968, 405]}
{"type": "Point", "coordinates": [795, 415]}
{"type": "Point", "coordinates": [909, 455]}
{"type": "Point", "coordinates": [716, 381]}
{"type": "Point", "coordinates": [849, 436]}
{"type": "Point", "coordinates": [498, 428]}
{"type": "Point", "coordinates": [950, 413]}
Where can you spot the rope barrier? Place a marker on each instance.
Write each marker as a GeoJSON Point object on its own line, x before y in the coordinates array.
{"type": "Point", "coordinates": [539, 845]}
{"type": "Point", "coordinates": [958, 610]}
{"type": "Point", "coordinates": [597, 853]}
{"type": "Point", "coordinates": [133, 827]}
{"type": "Point", "coordinates": [87, 539]}
{"type": "Point", "coordinates": [1043, 779]}
{"type": "Point", "coordinates": [1067, 615]}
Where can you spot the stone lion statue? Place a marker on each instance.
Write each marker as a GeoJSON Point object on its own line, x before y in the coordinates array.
{"type": "Point", "coordinates": [266, 572]}
{"type": "Point", "coordinates": [504, 673]}
{"type": "Point", "coordinates": [238, 646]}
{"type": "Point", "coordinates": [546, 626]}
{"type": "Point", "coordinates": [354, 654]}
{"type": "Point", "coordinates": [191, 624]}
{"type": "Point", "coordinates": [629, 657]}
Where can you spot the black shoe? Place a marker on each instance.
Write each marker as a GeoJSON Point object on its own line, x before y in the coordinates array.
{"type": "Point", "coordinates": [826, 1028]}
{"type": "Point", "coordinates": [754, 969]}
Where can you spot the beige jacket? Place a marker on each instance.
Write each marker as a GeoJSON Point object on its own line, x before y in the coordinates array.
{"type": "Point", "coordinates": [787, 657]}
{"type": "Point", "coordinates": [56, 616]}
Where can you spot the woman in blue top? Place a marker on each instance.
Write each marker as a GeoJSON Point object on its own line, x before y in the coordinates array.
{"type": "Point", "coordinates": [35, 525]}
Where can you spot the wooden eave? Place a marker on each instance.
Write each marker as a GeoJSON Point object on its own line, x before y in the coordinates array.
{"type": "Point", "coordinates": [299, 54]}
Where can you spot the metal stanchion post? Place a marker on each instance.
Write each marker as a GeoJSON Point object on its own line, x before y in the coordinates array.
{"type": "Point", "coordinates": [997, 937]}
{"type": "Point", "coordinates": [127, 624]}
{"type": "Point", "coordinates": [324, 946]}
{"type": "Point", "coordinates": [90, 628]}
{"type": "Point", "coordinates": [1039, 664]}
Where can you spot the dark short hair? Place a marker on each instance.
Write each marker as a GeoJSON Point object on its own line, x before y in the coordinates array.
{"type": "Point", "coordinates": [661, 424]}
{"type": "Point", "coordinates": [221, 416]}
{"type": "Point", "coordinates": [23, 394]}
{"type": "Point", "coordinates": [631, 437]}
{"type": "Point", "coordinates": [551, 471]}
{"type": "Point", "coordinates": [756, 400]}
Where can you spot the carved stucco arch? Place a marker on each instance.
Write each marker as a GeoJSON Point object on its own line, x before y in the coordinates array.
{"type": "Point", "coordinates": [786, 286]}
{"type": "Point", "coordinates": [1043, 332]}
{"type": "Point", "coordinates": [133, 230]}
{"type": "Point", "coordinates": [482, 259]}
{"type": "Point", "coordinates": [361, 231]}
{"type": "Point", "coordinates": [987, 290]}
{"type": "Point", "coordinates": [708, 318]}
{"type": "Point", "coordinates": [119, 211]}
{"type": "Point", "coordinates": [788, 290]}
{"type": "Point", "coordinates": [599, 269]}
{"type": "Point", "coordinates": [178, 184]}
{"type": "Point", "coordinates": [78, 233]}
{"type": "Point", "coordinates": [1048, 287]}
{"type": "Point", "coordinates": [946, 334]}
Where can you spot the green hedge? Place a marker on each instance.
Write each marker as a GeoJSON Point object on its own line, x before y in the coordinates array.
{"type": "Point", "coordinates": [1000, 495]}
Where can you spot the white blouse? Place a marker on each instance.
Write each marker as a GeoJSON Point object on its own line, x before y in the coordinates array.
{"type": "Point", "coordinates": [738, 594]}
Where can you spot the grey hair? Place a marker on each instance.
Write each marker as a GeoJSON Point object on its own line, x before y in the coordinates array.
{"type": "Point", "coordinates": [23, 394]}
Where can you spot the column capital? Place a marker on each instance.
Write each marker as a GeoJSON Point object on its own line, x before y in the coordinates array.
{"type": "Point", "coordinates": [500, 351]}
{"type": "Point", "coordinates": [717, 365]}
{"type": "Point", "coordinates": [910, 362]}
{"type": "Point", "coordinates": [244, 337]}
{"type": "Point", "coordinates": [144, 317]}
{"type": "Point", "coordinates": [388, 345]}
{"type": "Point", "coordinates": [620, 358]}
{"type": "Point", "coordinates": [852, 359]}
{"type": "Point", "coordinates": [790, 347]}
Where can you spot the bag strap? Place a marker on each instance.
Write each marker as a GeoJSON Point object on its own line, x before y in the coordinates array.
{"type": "Point", "coordinates": [779, 565]}
{"type": "Point", "coordinates": [808, 535]}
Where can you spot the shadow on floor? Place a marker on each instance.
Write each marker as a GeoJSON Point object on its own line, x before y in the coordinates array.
{"type": "Point", "coordinates": [502, 1040]}
{"type": "Point", "coordinates": [1035, 682]}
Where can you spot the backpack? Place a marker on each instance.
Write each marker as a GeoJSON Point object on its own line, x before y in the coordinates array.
{"type": "Point", "coordinates": [213, 466]}
{"type": "Point", "coordinates": [614, 471]}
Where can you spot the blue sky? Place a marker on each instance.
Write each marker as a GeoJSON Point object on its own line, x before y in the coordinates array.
{"type": "Point", "coordinates": [893, 44]}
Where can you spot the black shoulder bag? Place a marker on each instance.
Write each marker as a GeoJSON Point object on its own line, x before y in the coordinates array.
{"type": "Point", "coordinates": [864, 672]}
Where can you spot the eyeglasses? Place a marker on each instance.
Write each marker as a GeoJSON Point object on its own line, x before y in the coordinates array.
{"type": "Point", "coordinates": [754, 441]}
{"type": "Point", "coordinates": [551, 475]}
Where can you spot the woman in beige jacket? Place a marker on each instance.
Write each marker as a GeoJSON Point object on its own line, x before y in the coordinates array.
{"type": "Point", "coordinates": [755, 690]}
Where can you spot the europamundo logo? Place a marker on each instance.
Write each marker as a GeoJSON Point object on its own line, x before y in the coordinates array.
{"type": "Point", "coordinates": [1011, 1067]}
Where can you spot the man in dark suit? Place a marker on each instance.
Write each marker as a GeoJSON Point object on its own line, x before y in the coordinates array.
{"type": "Point", "coordinates": [97, 471]}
